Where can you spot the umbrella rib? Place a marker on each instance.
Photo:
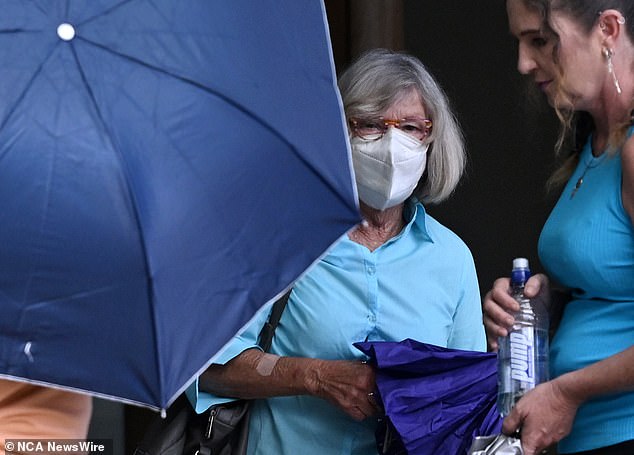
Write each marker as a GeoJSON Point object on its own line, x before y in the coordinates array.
{"type": "Point", "coordinates": [6, 119]}
{"type": "Point", "coordinates": [230, 101]}
{"type": "Point", "coordinates": [105, 127]}
{"type": "Point", "coordinates": [20, 97]}
{"type": "Point", "coordinates": [131, 195]}
{"type": "Point", "coordinates": [105, 12]}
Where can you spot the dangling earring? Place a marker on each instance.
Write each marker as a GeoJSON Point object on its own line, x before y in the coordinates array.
{"type": "Point", "coordinates": [608, 53]}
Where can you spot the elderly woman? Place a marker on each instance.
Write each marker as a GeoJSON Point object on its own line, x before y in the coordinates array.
{"type": "Point", "coordinates": [399, 274]}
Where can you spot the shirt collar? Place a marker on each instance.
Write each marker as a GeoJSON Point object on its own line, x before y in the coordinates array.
{"type": "Point", "coordinates": [414, 213]}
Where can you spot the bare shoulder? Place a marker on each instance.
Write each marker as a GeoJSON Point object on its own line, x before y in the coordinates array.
{"type": "Point", "coordinates": [627, 160]}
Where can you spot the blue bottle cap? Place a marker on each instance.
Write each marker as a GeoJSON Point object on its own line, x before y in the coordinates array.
{"type": "Point", "coordinates": [520, 273]}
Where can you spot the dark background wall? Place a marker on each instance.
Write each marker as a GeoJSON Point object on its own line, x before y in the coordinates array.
{"type": "Point", "coordinates": [501, 204]}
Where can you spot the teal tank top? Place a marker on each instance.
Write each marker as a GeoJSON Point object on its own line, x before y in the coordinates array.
{"type": "Point", "coordinates": [587, 245]}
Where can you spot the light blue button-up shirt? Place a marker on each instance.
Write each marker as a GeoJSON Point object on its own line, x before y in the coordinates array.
{"type": "Point", "coordinates": [421, 284]}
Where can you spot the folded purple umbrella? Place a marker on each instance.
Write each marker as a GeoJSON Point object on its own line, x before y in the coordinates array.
{"type": "Point", "coordinates": [437, 399]}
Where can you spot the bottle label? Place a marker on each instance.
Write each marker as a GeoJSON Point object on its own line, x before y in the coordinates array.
{"type": "Point", "coordinates": [522, 358]}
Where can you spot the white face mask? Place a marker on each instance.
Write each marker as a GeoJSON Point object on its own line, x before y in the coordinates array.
{"type": "Point", "coordinates": [387, 170]}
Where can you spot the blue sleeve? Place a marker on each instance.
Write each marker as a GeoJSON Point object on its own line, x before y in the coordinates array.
{"type": "Point", "coordinates": [468, 330]}
{"type": "Point", "coordinates": [247, 339]}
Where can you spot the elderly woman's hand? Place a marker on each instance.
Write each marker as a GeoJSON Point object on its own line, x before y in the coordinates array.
{"type": "Point", "coordinates": [347, 384]}
{"type": "Point", "coordinates": [498, 306]}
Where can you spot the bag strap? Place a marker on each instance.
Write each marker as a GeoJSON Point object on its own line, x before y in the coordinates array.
{"type": "Point", "coordinates": [268, 330]}
{"type": "Point", "coordinates": [265, 338]}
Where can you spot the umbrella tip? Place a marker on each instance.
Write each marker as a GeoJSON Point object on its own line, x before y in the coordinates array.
{"type": "Point", "coordinates": [66, 31]}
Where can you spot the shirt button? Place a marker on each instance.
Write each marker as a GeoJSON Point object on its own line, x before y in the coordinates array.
{"type": "Point", "coordinates": [371, 270]}
{"type": "Point", "coordinates": [371, 318]}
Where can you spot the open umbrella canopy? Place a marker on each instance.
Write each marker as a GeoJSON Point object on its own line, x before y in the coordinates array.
{"type": "Point", "coordinates": [166, 168]}
{"type": "Point", "coordinates": [437, 399]}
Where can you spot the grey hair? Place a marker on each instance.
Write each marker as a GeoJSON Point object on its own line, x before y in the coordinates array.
{"type": "Point", "coordinates": [378, 79]}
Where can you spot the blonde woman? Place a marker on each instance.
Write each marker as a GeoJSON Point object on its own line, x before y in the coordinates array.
{"type": "Point", "coordinates": [580, 53]}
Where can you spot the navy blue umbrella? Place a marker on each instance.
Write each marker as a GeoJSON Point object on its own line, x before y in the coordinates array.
{"type": "Point", "coordinates": [166, 168]}
{"type": "Point", "coordinates": [436, 399]}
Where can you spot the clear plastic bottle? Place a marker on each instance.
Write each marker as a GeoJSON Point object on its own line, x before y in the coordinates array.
{"type": "Point", "coordinates": [523, 353]}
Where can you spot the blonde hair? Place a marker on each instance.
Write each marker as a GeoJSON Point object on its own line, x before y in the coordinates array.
{"type": "Point", "coordinates": [576, 127]}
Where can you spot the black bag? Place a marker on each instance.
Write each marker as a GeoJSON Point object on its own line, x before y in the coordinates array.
{"type": "Point", "coordinates": [222, 430]}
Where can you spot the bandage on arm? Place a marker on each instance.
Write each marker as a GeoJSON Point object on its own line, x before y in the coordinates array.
{"type": "Point", "coordinates": [266, 364]}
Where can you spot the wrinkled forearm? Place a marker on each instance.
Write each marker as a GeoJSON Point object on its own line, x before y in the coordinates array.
{"type": "Point", "coordinates": [239, 378]}
{"type": "Point", "coordinates": [343, 383]}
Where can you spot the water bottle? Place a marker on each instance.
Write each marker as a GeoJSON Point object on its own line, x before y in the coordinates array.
{"type": "Point", "coordinates": [523, 353]}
